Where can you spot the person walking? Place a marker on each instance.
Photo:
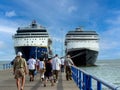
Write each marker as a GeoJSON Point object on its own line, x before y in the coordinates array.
{"type": "Point", "coordinates": [32, 67]}
{"type": "Point", "coordinates": [62, 64]}
{"type": "Point", "coordinates": [48, 72]}
{"type": "Point", "coordinates": [56, 63]}
{"type": "Point", "coordinates": [37, 65]}
{"type": "Point", "coordinates": [20, 70]}
{"type": "Point", "coordinates": [68, 63]}
{"type": "Point", "coordinates": [41, 68]}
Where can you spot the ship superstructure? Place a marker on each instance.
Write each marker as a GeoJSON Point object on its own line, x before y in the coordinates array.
{"type": "Point", "coordinates": [33, 40]}
{"type": "Point", "coordinates": [82, 46]}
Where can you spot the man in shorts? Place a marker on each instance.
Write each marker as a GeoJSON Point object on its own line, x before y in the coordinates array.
{"type": "Point", "coordinates": [20, 70]}
{"type": "Point", "coordinates": [32, 67]}
{"type": "Point", "coordinates": [56, 65]}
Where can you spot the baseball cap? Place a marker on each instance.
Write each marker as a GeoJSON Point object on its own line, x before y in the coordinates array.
{"type": "Point", "coordinates": [19, 54]}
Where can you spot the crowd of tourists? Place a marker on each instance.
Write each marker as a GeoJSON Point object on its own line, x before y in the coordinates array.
{"type": "Point", "coordinates": [48, 68]}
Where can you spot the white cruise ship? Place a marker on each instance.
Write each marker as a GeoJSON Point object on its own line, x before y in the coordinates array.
{"type": "Point", "coordinates": [33, 40]}
{"type": "Point", "coordinates": [82, 46]}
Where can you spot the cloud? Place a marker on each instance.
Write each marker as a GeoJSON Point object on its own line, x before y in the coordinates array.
{"type": "Point", "coordinates": [109, 38]}
{"type": "Point", "coordinates": [7, 29]}
{"type": "Point", "coordinates": [72, 9]}
{"type": "Point", "coordinates": [8, 26]}
{"type": "Point", "coordinates": [1, 44]}
{"type": "Point", "coordinates": [57, 39]}
{"type": "Point", "coordinates": [10, 13]}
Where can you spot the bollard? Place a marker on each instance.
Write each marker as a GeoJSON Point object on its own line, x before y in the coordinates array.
{"type": "Point", "coordinates": [3, 66]}
{"type": "Point", "coordinates": [7, 66]}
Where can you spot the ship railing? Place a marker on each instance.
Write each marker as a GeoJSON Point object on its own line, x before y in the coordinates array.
{"type": "Point", "coordinates": [7, 66]}
{"type": "Point", "coordinates": [85, 81]}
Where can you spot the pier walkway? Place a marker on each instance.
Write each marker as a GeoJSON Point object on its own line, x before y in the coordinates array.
{"type": "Point", "coordinates": [7, 82]}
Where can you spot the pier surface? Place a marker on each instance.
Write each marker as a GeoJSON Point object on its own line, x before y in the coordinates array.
{"type": "Point", "coordinates": [7, 82]}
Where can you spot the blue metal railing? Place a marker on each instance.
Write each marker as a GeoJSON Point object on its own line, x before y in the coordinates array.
{"type": "Point", "coordinates": [85, 81]}
{"type": "Point", "coordinates": [7, 66]}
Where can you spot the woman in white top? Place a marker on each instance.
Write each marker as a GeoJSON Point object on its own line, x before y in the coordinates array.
{"type": "Point", "coordinates": [41, 68]}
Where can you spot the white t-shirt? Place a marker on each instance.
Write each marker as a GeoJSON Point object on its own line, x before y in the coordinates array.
{"type": "Point", "coordinates": [31, 63]}
{"type": "Point", "coordinates": [56, 62]}
{"type": "Point", "coordinates": [41, 64]}
{"type": "Point", "coordinates": [62, 61]}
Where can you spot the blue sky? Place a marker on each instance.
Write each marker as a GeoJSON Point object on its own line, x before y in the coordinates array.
{"type": "Point", "coordinates": [60, 16]}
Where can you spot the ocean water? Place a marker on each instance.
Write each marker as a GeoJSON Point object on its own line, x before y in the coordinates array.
{"type": "Point", "coordinates": [107, 70]}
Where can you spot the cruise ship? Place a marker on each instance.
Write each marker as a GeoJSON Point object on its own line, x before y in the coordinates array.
{"type": "Point", "coordinates": [82, 46]}
{"type": "Point", "coordinates": [33, 40]}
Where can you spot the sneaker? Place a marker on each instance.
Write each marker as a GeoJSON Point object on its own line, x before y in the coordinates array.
{"type": "Point", "coordinates": [21, 88]}
{"type": "Point", "coordinates": [30, 80]}
{"type": "Point", "coordinates": [52, 84]}
{"type": "Point", "coordinates": [44, 85]}
{"type": "Point", "coordinates": [56, 81]}
{"type": "Point", "coordinates": [42, 79]}
{"type": "Point", "coordinates": [70, 78]}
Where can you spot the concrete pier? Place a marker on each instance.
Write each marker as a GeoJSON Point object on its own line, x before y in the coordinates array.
{"type": "Point", "coordinates": [7, 82]}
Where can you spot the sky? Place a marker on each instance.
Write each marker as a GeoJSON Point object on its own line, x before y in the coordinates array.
{"type": "Point", "coordinates": [59, 17]}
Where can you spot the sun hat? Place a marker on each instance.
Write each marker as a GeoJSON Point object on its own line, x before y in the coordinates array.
{"type": "Point", "coordinates": [19, 54]}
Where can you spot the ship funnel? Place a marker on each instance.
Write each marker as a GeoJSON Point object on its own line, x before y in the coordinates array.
{"type": "Point", "coordinates": [79, 28]}
{"type": "Point", "coordinates": [33, 24]}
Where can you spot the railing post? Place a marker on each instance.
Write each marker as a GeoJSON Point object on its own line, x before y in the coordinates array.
{"type": "Point", "coordinates": [80, 81]}
{"type": "Point", "coordinates": [3, 66]}
{"type": "Point", "coordinates": [7, 66]}
{"type": "Point", "coordinates": [98, 85]}
{"type": "Point", "coordinates": [84, 82]}
{"type": "Point", "coordinates": [77, 77]}
{"type": "Point", "coordinates": [87, 81]}
{"type": "Point", "coordinates": [89, 84]}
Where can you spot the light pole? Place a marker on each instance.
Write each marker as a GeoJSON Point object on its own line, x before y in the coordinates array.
{"type": "Point", "coordinates": [62, 52]}
{"type": "Point", "coordinates": [36, 52]}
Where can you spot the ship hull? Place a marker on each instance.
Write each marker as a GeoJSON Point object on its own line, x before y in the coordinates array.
{"type": "Point", "coordinates": [35, 51]}
{"type": "Point", "coordinates": [83, 57]}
